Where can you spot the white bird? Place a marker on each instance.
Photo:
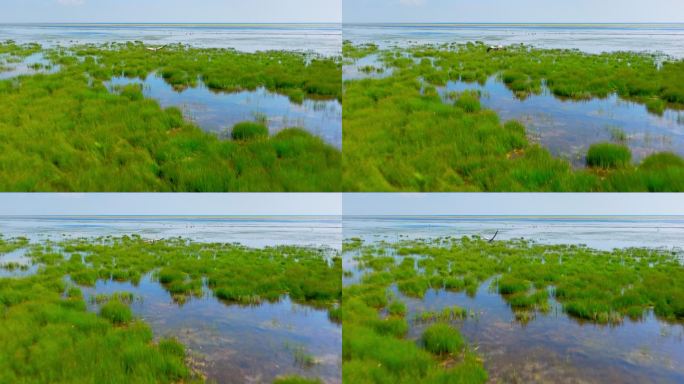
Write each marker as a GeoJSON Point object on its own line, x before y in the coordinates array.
{"type": "Point", "coordinates": [153, 49]}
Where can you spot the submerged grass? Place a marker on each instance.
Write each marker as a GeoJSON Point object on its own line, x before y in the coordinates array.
{"type": "Point", "coordinates": [49, 336]}
{"type": "Point", "coordinates": [67, 132]}
{"type": "Point", "coordinates": [401, 134]}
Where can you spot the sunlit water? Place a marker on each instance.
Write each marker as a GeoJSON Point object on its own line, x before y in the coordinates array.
{"type": "Point", "coordinates": [593, 38]}
{"type": "Point", "coordinates": [324, 39]}
{"type": "Point", "coordinates": [230, 343]}
{"type": "Point", "coordinates": [568, 127]}
{"type": "Point", "coordinates": [26, 67]}
{"type": "Point", "coordinates": [553, 347]}
{"type": "Point", "coordinates": [218, 111]}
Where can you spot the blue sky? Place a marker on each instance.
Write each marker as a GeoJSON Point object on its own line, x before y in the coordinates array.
{"type": "Point", "coordinates": [191, 204]}
{"type": "Point", "coordinates": [522, 11]}
{"type": "Point", "coordinates": [186, 11]}
{"type": "Point", "coordinates": [505, 204]}
{"type": "Point", "coordinates": [268, 204]}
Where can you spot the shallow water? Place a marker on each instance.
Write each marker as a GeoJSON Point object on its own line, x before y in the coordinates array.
{"type": "Point", "coordinates": [218, 111]}
{"type": "Point", "coordinates": [354, 71]}
{"type": "Point", "coordinates": [553, 347]}
{"type": "Point", "coordinates": [24, 67]}
{"type": "Point", "coordinates": [592, 38]}
{"type": "Point", "coordinates": [324, 39]}
{"type": "Point", "coordinates": [238, 344]}
{"type": "Point", "coordinates": [230, 343]}
{"type": "Point", "coordinates": [18, 256]}
{"type": "Point", "coordinates": [568, 127]}
{"type": "Point", "coordinates": [605, 233]}
{"type": "Point", "coordinates": [318, 231]}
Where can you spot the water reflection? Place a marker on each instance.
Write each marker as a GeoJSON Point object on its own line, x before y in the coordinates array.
{"type": "Point", "coordinates": [367, 67]}
{"type": "Point", "coordinates": [551, 347]}
{"type": "Point", "coordinates": [665, 38]}
{"type": "Point", "coordinates": [30, 65]}
{"type": "Point", "coordinates": [16, 264]}
{"type": "Point", "coordinates": [325, 39]}
{"type": "Point", "coordinates": [568, 127]}
{"type": "Point", "coordinates": [556, 348]}
{"type": "Point", "coordinates": [219, 111]}
{"type": "Point", "coordinates": [238, 344]}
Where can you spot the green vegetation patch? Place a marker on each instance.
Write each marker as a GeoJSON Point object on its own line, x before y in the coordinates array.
{"type": "Point", "coordinates": [402, 134]}
{"type": "Point", "coordinates": [608, 155]}
{"type": "Point", "coordinates": [248, 131]}
{"type": "Point", "coordinates": [51, 337]}
{"type": "Point", "coordinates": [602, 287]}
{"type": "Point", "coordinates": [67, 132]}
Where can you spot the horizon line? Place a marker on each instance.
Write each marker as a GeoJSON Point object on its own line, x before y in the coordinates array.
{"type": "Point", "coordinates": [350, 215]}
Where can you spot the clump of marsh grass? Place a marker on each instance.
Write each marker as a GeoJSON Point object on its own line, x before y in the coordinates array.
{"type": "Point", "coordinates": [442, 339]}
{"type": "Point", "coordinates": [248, 131]}
{"type": "Point", "coordinates": [116, 311]}
{"type": "Point", "coordinates": [608, 155]}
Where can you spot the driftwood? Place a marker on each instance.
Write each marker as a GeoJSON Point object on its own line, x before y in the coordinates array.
{"type": "Point", "coordinates": [494, 237]}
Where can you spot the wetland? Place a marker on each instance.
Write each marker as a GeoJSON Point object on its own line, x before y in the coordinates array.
{"type": "Point", "coordinates": [162, 308]}
{"type": "Point", "coordinates": [430, 300]}
{"type": "Point", "coordinates": [472, 117]}
{"type": "Point", "coordinates": [135, 117]}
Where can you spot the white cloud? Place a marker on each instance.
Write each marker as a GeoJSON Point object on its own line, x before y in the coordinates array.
{"type": "Point", "coordinates": [412, 2]}
{"type": "Point", "coordinates": [71, 2]}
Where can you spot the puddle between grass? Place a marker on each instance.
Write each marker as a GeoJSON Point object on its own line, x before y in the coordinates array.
{"type": "Point", "coordinates": [238, 344]}
{"type": "Point", "coordinates": [31, 65]}
{"type": "Point", "coordinates": [17, 264]}
{"type": "Point", "coordinates": [555, 348]}
{"type": "Point", "coordinates": [217, 111]}
{"type": "Point", "coordinates": [367, 67]}
{"type": "Point", "coordinates": [568, 127]}
{"type": "Point", "coordinates": [552, 347]}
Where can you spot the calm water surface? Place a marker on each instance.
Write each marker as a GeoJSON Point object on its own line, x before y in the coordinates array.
{"type": "Point", "coordinates": [325, 39]}
{"type": "Point", "coordinates": [229, 343]}
{"type": "Point", "coordinates": [551, 348]}
{"type": "Point", "coordinates": [566, 128]}
{"type": "Point", "coordinates": [594, 38]}
{"type": "Point", "coordinates": [217, 111]}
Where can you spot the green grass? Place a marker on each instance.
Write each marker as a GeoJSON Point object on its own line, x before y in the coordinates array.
{"type": "Point", "coordinates": [248, 131]}
{"type": "Point", "coordinates": [400, 134]}
{"type": "Point", "coordinates": [46, 337]}
{"type": "Point", "coordinates": [602, 287]}
{"type": "Point", "coordinates": [296, 380]}
{"type": "Point", "coordinates": [66, 132]}
{"type": "Point", "coordinates": [116, 312]}
{"type": "Point", "coordinates": [442, 338]}
{"type": "Point", "coordinates": [608, 155]}
{"type": "Point", "coordinates": [49, 336]}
